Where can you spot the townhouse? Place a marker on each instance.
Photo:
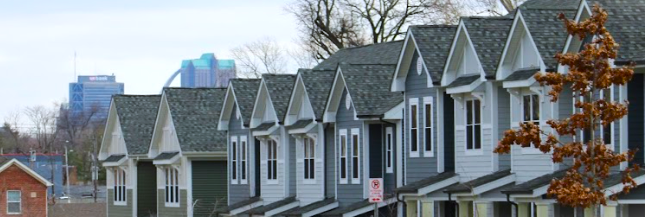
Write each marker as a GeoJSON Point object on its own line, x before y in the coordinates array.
{"type": "Point", "coordinates": [243, 150]}
{"type": "Point", "coordinates": [131, 176]}
{"type": "Point", "coordinates": [189, 152]}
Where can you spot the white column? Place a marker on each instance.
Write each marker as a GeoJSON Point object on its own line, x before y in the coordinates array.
{"type": "Point", "coordinates": [427, 209]}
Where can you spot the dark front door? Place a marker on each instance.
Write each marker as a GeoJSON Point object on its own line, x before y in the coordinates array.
{"type": "Point", "coordinates": [257, 167]}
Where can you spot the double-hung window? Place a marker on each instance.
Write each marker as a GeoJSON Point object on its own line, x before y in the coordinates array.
{"type": "Point", "coordinates": [119, 187]}
{"type": "Point", "coordinates": [342, 164]}
{"type": "Point", "coordinates": [473, 127]}
{"type": "Point", "coordinates": [234, 160]}
{"type": "Point", "coordinates": [531, 114]}
{"type": "Point", "coordinates": [414, 127]}
{"type": "Point", "coordinates": [272, 160]}
{"type": "Point", "coordinates": [356, 165]}
{"type": "Point", "coordinates": [243, 159]}
{"type": "Point", "coordinates": [14, 202]}
{"type": "Point", "coordinates": [172, 187]}
{"type": "Point", "coordinates": [309, 158]}
{"type": "Point", "coordinates": [389, 152]}
{"type": "Point", "coordinates": [427, 127]}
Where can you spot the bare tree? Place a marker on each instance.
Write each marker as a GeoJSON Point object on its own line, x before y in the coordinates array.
{"type": "Point", "coordinates": [74, 125]}
{"type": "Point", "coordinates": [329, 25]}
{"type": "Point", "coordinates": [262, 56]}
{"type": "Point", "coordinates": [44, 122]}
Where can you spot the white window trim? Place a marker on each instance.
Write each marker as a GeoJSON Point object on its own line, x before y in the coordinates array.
{"type": "Point", "coordinates": [312, 159]}
{"type": "Point", "coordinates": [389, 150]}
{"type": "Point", "coordinates": [273, 181]}
{"type": "Point", "coordinates": [428, 101]}
{"type": "Point", "coordinates": [473, 151]}
{"type": "Point", "coordinates": [120, 183]}
{"type": "Point", "coordinates": [234, 156]}
{"type": "Point", "coordinates": [531, 149]}
{"type": "Point", "coordinates": [413, 102]}
{"type": "Point", "coordinates": [355, 132]}
{"type": "Point", "coordinates": [20, 202]}
{"type": "Point", "coordinates": [610, 146]}
{"type": "Point", "coordinates": [169, 176]}
{"type": "Point", "coordinates": [244, 176]}
{"type": "Point", "coordinates": [611, 125]}
{"type": "Point", "coordinates": [343, 133]}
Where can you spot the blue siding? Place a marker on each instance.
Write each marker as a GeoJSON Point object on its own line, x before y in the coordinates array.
{"type": "Point", "coordinates": [503, 123]}
{"type": "Point", "coordinates": [239, 192]}
{"type": "Point", "coordinates": [349, 193]}
{"type": "Point", "coordinates": [420, 167]}
{"type": "Point", "coordinates": [330, 161]}
{"type": "Point", "coordinates": [292, 166]}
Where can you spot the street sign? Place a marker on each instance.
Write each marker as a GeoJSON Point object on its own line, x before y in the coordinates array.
{"type": "Point", "coordinates": [376, 190]}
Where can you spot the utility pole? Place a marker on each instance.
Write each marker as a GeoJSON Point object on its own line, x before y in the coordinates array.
{"type": "Point", "coordinates": [67, 172]}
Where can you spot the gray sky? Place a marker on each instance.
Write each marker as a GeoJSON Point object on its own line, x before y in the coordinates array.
{"type": "Point", "coordinates": [142, 42]}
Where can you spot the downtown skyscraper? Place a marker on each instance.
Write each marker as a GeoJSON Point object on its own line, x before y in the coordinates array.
{"type": "Point", "coordinates": [207, 71]}
{"type": "Point", "coordinates": [93, 92]}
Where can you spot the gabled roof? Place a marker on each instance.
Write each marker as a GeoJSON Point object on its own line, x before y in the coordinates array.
{"type": "Point", "coordinates": [547, 31]}
{"type": "Point", "coordinates": [625, 23]}
{"type": "Point", "coordinates": [550, 4]}
{"type": "Point", "coordinates": [137, 115]}
{"type": "Point", "coordinates": [245, 93]}
{"type": "Point", "coordinates": [488, 36]}
{"type": "Point", "coordinates": [279, 87]}
{"type": "Point", "coordinates": [381, 53]}
{"type": "Point", "coordinates": [433, 43]}
{"type": "Point", "coordinates": [318, 85]}
{"type": "Point", "coordinates": [5, 163]}
{"type": "Point", "coordinates": [195, 113]}
{"type": "Point", "coordinates": [368, 87]}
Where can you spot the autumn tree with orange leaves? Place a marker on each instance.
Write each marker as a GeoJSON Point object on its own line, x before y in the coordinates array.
{"type": "Point", "coordinates": [589, 72]}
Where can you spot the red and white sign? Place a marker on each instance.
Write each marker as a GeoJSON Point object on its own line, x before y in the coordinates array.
{"type": "Point", "coordinates": [376, 190]}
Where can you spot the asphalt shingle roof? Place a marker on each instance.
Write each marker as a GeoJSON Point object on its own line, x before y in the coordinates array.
{"type": "Point", "coordinates": [166, 155]}
{"type": "Point", "coordinates": [381, 53]}
{"type": "Point", "coordinates": [415, 186]}
{"type": "Point", "coordinates": [260, 210]}
{"type": "Point", "coordinates": [368, 87]}
{"type": "Point", "coordinates": [522, 74]}
{"type": "Point", "coordinates": [464, 80]}
{"type": "Point", "coordinates": [300, 124]}
{"type": "Point", "coordinates": [354, 206]}
{"type": "Point", "coordinates": [280, 87]}
{"type": "Point", "coordinates": [433, 42]}
{"type": "Point", "coordinates": [468, 186]}
{"type": "Point", "coordinates": [318, 85]}
{"type": "Point", "coordinates": [238, 205]}
{"type": "Point", "coordinates": [245, 93]}
{"type": "Point", "coordinates": [488, 35]}
{"type": "Point", "coordinates": [547, 31]}
{"type": "Point", "coordinates": [529, 186]}
{"type": "Point", "coordinates": [625, 23]}
{"type": "Point", "coordinates": [298, 211]}
{"type": "Point", "coordinates": [264, 126]}
{"type": "Point", "coordinates": [114, 158]}
{"type": "Point", "coordinates": [195, 113]}
{"type": "Point", "coordinates": [137, 115]}
{"type": "Point", "coordinates": [550, 4]}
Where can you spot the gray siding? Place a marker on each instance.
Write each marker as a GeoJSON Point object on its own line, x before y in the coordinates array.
{"type": "Point", "coordinates": [292, 166]}
{"type": "Point", "coordinates": [119, 211]}
{"type": "Point", "coordinates": [309, 192]}
{"type": "Point", "coordinates": [389, 178]}
{"type": "Point", "coordinates": [503, 123]}
{"type": "Point", "coordinates": [421, 167]}
{"type": "Point", "coordinates": [349, 193]}
{"type": "Point", "coordinates": [146, 189]}
{"type": "Point", "coordinates": [274, 192]}
{"type": "Point", "coordinates": [330, 161]}
{"type": "Point", "coordinates": [182, 210]}
{"type": "Point", "coordinates": [239, 192]}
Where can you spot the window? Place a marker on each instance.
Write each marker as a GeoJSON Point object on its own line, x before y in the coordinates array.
{"type": "Point", "coordinates": [427, 129]}
{"type": "Point", "coordinates": [172, 186]}
{"type": "Point", "coordinates": [531, 109]}
{"type": "Point", "coordinates": [309, 156]}
{"type": "Point", "coordinates": [272, 160]}
{"type": "Point", "coordinates": [355, 157]}
{"type": "Point", "coordinates": [414, 128]}
{"type": "Point", "coordinates": [389, 153]}
{"type": "Point", "coordinates": [119, 187]}
{"type": "Point", "coordinates": [14, 204]}
{"type": "Point", "coordinates": [473, 125]}
{"type": "Point", "coordinates": [343, 156]}
{"type": "Point", "coordinates": [243, 159]}
{"type": "Point", "coordinates": [234, 160]}
{"type": "Point", "coordinates": [606, 131]}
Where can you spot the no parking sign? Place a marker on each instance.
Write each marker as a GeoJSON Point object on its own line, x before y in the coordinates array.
{"type": "Point", "coordinates": [376, 190]}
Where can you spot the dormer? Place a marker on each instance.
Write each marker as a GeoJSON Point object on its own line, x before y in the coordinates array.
{"type": "Point", "coordinates": [520, 52]}
{"type": "Point", "coordinates": [164, 136]}
{"type": "Point", "coordinates": [230, 108]}
{"type": "Point", "coordinates": [410, 54]}
{"type": "Point", "coordinates": [263, 111]}
{"type": "Point", "coordinates": [463, 69]}
{"type": "Point", "coordinates": [113, 142]}
{"type": "Point", "coordinates": [335, 96]}
{"type": "Point", "coordinates": [300, 107]}
{"type": "Point", "coordinates": [574, 44]}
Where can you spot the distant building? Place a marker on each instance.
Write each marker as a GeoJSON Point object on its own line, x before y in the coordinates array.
{"type": "Point", "coordinates": [42, 165]}
{"type": "Point", "coordinates": [91, 92]}
{"type": "Point", "coordinates": [207, 71]}
{"type": "Point", "coordinates": [23, 191]}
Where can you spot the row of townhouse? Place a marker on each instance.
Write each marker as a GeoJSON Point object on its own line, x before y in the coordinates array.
{"type": "Point", "coordinates": [424, 114]}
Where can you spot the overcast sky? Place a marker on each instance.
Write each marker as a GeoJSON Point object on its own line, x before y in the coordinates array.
{"type": "Point", "coordinates": [142, 42]}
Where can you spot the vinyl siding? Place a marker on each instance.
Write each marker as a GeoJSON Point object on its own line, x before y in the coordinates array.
{"type": "Point", "coordinates": [119, 211]}
{"type": "Point", "coordinates": [209, 186]}
{"type": "Point", "coordinates": [503, 124]}
{"type": "Point", "coordinates": [291, 162]}
{"type": "Point", "coordinates": [330, 161]}
{"type": "Point", "coordinates": [239, 192]}
{"type": "Point", "coordinates": [349, 193]}
{"type": "Point", "coordinates": [416, 86]}
{"type": "Point", "coordinates": [311, 192]}
{"type": "Point", "coordinates": [274, 192]}
{"type": "Point", "coordinates": [389, 178]}
{"type": "Point", "coordinates": [182, 210]}
{"type": "Point", "coordinates": [146, 189]}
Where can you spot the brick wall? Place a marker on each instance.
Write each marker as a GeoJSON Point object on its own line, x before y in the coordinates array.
{"type": "Point", "coordinates": [33, 192]}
